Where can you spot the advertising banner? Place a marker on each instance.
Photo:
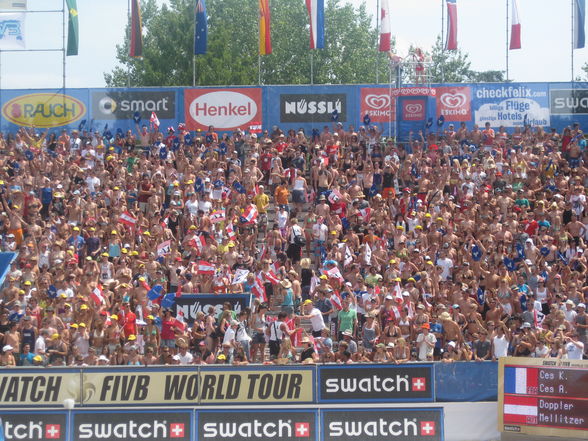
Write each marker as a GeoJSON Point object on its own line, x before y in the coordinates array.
{"type": "Point", "coordinates": [121, 104]}
{"type": "Point", "coordinates": [27, 387]}
{"type": "Point", "coordinates": [379, 102]}
{"type": "Point", "coordinates": [13, 5]}
{"type": "Point", "coordinates": [160, 425]}
{"type": "Point", "coordinates": [148, 386]}
{"type": "Point", "coordinates": [33, 426]}
{"type": "Point", "coordinates": [454, 103]}
{"type": "Point", "coordinates": [225, 109]}
{"type": "Point", "coordinates": [397, 424]}
{"type": "Point", "coordinates": [511, 105]}
{"type": "Point", "coordinates": [568, 101]}
{"type": "Point", "coordinates": [302, 108]}
{"type": "Point", "coordinates": [191, 304]}
{"type": "Point", "coordinates": [42, 110]}
{"type": "Point", "coordinates": [543, 397]}
{"type": "Point", "coordinates": [249, 385]}
{"type": "Point", "coordinates": [376, 383]}
{"type": "Point", "coordinates": [257, 425]}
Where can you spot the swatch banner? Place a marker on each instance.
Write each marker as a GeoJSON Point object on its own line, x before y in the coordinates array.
{"type": "Point", "coordinates": [511, 105]}
{"type": "Point", "coordinates": [31, 426]}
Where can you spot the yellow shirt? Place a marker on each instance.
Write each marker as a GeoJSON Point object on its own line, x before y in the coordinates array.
{"type": "Point", "coordinates": [262, 202]}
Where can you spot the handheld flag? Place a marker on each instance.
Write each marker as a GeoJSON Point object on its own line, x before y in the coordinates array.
{"type": "Point", "coordinates": [52, 291]}
{"type": "Point", "coordinates": [155, 292]}
{"type": "Point", "coordinates": [201, 28]}
{"type": "Point", "coordinates": [72, 28]}
{"type": "Point", "coordinates": [154, 120]}
{"type": "Point", "coordinates": [316, 13]}
{"type": "Point", "coordinates": [97, 296]}
{"type": "Point", "coordinates": [240, 276]}
{"type": "Point", "coordinates": [205, 268]}
{"type": "Point", "coordinates": [265, 39]}
{"type": "Point", "coordinates": [515, 27]}
{"type": "Point", "coordinates": [258, 290]}
{"type": "Point", "coordinates": [168, 301]}
{"type": "Point", "coordinates": [385, 32]}
{"type": "Point", "coordinates": [451, 42]}
{"type": "Point", "coordinates": [579, 34]}
{"type": "Point", "coordinates": [136, 44]}
{"type": "Point", "coordinates": [127, 219]}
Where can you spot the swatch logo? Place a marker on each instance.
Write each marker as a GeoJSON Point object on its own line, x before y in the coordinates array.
{"type": "Point", "coordinates": [378, 102]}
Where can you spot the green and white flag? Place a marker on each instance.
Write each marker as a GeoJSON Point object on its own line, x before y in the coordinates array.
{"type": "Point", "coordinates": [73, 34]}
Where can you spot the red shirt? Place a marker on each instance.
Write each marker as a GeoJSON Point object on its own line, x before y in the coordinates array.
{"type": "Point", "coordinates": [167, 329]}
{"type": "Point", "coordinates": [130, 326]}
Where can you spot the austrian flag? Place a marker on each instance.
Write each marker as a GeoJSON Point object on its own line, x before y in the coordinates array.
{"type": "Point", "coordinates": [199, 242]}
{"type": "Point", "coordinates": [249, 215]}
{"type": "Point", "coordinates": [127, 219]}
{"type": "Point", "coordinates": [97, 296]}
{"type": "Point", "coordinates": [205, 268]}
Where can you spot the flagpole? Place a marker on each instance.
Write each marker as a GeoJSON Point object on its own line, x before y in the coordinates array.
{"type": "Point", "coordinates": [572, 57]}
{"type": "Point", "coordinates": [311, 68]}
{"type": "Point", "coordinates": [378, 25]}
{"type": "Point", "coordinates": [130, 31]}
{"type": "Point", "coordinates": [507, 44]}
{"type": "Point", "coordinates": [442, 40]}
{"type": "Point", "coordinates": [64, 48]}
{"type": "Point", "coordinates": [259, 69]}
{"type": "Point", "coordinates": [194, 70]}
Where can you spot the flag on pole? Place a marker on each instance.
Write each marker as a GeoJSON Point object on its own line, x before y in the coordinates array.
{"type": "Point", "coordinates": [316, 13]}
{"type": "Point", "coordinates": [385, 31]}
{"type": "Point", "coordinates": [451, 42]}
{"type": "Point", "coordinates": [136, 45]}
{"type": "Point", "coordinates": [515, 27]}
{"type": "Point", "coordinates": [72, 28]}
{"type": "Point", "coordinates": [265, 38]}
{"type": "Point", "coordinates": [97, 296]}
{"type": "Point", "coordinates": [579, 24]}
{"type": "Point", "coordinates": [200, 28]}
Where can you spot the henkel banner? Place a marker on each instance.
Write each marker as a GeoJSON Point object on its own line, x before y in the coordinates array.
{"type": "Point", "coordinates": [398, 424]}
{"type": "Point", "coordinates": [118, 425]}
{"type": "Point", "coordinates": [225, 109]}
{"type": "Point", "coordinates": [257, 425]}
{"type": "Point", "coordinates": [454, 103]}
{"type": "Point", "coordinates": [32, 426]}
{"type": "Point", "coordinates": [379, 102]}
{"type": "Point", "coordinates": [511, 105]}
{"type": "Point", "coordinates": [374, 383]}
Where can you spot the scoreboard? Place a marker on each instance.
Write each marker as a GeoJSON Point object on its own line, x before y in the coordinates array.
{"type": "Point", "coordinates": [543, 396]}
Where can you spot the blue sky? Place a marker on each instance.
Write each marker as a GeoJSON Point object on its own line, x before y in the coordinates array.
{"type": "Point", "coordinates": [546, 39]}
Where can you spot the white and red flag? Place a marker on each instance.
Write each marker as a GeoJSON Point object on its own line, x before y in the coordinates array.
{"type": "Point", "coordinates": [385, 31]}
{"type": "Point", "coordinates": [515, 27]}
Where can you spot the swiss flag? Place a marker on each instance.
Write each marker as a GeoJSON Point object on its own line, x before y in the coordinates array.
{"type": "Point", "coordinates": [97, 296]}
{"type": "Point", "coordinates": [301, 430]}
{"type": "Point", "coordinates": [53, 431]}
{"type": "Point", "coordinates": [205, 268]}
{"type": "Point", "coordinates": [419, 384]}
{"type": "Point", "coordinates": [176, 430]}
{"type": "Point", "coordinates": [427, 428]}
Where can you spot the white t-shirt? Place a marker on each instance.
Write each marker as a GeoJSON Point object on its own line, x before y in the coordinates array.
{"type": "Point", "coordinates": [192, 207]}
{"type": "Point", "coordinates": [424, 349]}
{"type": "Point", "coordinates": [446, 263]}
{"type": "Point", "coordinates": [229, 336]}
{"type": "Point", "coordinates": [316, 320]}
{"type": "Point", "coordinates": [319, 232]}
{"type": "Point", "coordinates": [92, 182]}
{"type": "Point", "coordinates": [40, 346]}
{"type": "Point", "coordinates": [575, 352]}
{"type": "Point", "coordinates": [500, 346]}
{"type": "Point", "coordinates": [187, 358]}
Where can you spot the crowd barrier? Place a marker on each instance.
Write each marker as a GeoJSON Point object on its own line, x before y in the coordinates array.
{"type": "Point", "coordinates": [248, 385]}
{"type": "Point", "coordinates": [410, 108]}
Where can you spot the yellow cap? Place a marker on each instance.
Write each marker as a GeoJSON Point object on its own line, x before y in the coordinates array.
{"type": "Point", "coordinates": [92, 229]}
{"type": "Point", "coordinates": [104, 254]}
{"type": "Point", "coordinates": [116, 188]}
{"type": "Point", "coordinates": [440, 219]}
{"type": "Point", "coordinates": [397, 279]}
{"type": "Point", "coordinates": [192, 227]}
{"type": "Point", "coordinates": [55, 336]}
{"type": "Point", "coordinates": [114, 232]}
{"type": "Point", "coordinates": [63, 295]}
{"type": "Point", "coordinates": [74, 325]}
{"type": "Point", "coordinates": [114, 317]}
{"type": "Point", "coordinates": [429, 262]}
{"type": "Point", "coordinates": [411, 279]}
{"type": "Point", "coordinates": [109, 158]}
{"type": "Point", "coordinates": [132, 337]}
{"type": "Point", "coordinates": [150, 317]}
{"type": "Point", "coordinates": [134, 253]}
{"type": "Point", "coordinates": [189, 182]}
{"type": "Point", "coordinates": [428, 215]}
{"type": "Point", "coordinates": [392, 261]}
{"type": "Point", "coordinates": [37, 358]}
{"type": "Point", "coordinates": [323, 277]}
{"type": "Point", "coordinates": [28, 283]}
{"type": "Point", "coordinates": [141, 279]}
{"type": "Point", "coordinates": [82, 325]}
{"type": "Point", "coordinates": [400, 227]}
{"type": "Point", "coordinates": [221, 357]}
{"type": "Point", "coordinates": [147, 233]}
{"type": "Point", "coordinates": [84, 307]}
{"type": "Point", "coordinates": [88, 258]}
{"type": "Point", "coordinates": [67, 305]}
{"type": "Point", "coordinates": [22, 291]}
{"type": "Point", "coordinates": [418, 227]}
{"type": "Point", "coordinates": [124, 251]}
{"type": "Point", "coordinates": [76, 228]}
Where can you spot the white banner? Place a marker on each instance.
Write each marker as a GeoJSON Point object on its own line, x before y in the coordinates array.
{"type": "Point", "coordinates": [12, 31]}
{"type": "Point", "coordinates": [20, 5]}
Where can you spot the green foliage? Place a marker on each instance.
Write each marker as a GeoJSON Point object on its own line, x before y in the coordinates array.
{"type": "Point", "coordinates": [349, 55]}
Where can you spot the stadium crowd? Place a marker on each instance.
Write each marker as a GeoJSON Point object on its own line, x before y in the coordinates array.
{"type": "Point", "coordinates": [454, 245]}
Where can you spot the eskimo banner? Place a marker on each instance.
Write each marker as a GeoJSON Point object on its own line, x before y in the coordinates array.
{"type": "Point", "coordinates": [511, 105]}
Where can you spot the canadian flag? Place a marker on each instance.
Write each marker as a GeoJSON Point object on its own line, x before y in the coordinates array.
{"type": "Point", "coordinates": [205, 268]}
{"type": "Point", "coordinates": [258, 289]}
{"type": "Point", "coordinates": [154, 120]}
{"type": "Point", "coordinates": [249, 215]}
{"type": "Point", "coordinates": [231, 231]}
{"type": "Point", "coordinates": [199, 242]}
{"type": "Point", "coordinates": [97, 296]}
{"type": "Point", "coordinates": [217, 216]}
{"type": "Point", "coordinates": [127, 219]}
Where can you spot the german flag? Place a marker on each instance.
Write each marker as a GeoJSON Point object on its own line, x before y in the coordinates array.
{"type": "Point", "coordinates": [265, 38]}
{"type": "Point", "coordinates": [136, 46]}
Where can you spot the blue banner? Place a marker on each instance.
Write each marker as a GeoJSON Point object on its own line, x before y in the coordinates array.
{"type": "Point", "coordinates": [466, 381]}
{"type": "Point", "coordinates": [6, 260]}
